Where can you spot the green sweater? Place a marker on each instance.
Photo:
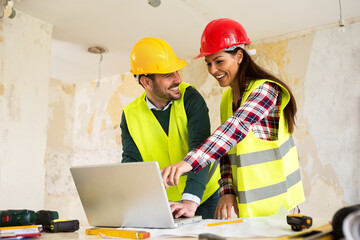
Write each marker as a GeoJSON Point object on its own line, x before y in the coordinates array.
{"type": "Point", "coordinates": [198, 129]}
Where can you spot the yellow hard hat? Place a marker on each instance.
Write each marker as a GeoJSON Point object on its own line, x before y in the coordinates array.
{"type": "Point", "coordinates": [153, 55]}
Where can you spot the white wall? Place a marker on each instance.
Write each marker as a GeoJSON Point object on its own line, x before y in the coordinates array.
{"type": "Point", "coordinates": [24, 75]}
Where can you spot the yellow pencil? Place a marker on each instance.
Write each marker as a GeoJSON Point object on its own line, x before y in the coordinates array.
{"type": "Point", "coordinates": [227, 222]}
{"type": "Point", "coordinates": [111, 232]}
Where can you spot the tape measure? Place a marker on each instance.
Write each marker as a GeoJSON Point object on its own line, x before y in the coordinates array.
{"type": "Point", "coordinates": [62, 225]}
{"type": "Point", "coordinates": [299, 222]}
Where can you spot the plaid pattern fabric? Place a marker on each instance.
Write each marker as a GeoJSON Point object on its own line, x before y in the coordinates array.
{"type": "Point", "coordinates": [260, 113]}
{"type": "Point", "coordinates": [225, 182]}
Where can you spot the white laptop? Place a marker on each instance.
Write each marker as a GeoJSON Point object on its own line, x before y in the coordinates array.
{"type": "Point", "coordinates": [125, 195]}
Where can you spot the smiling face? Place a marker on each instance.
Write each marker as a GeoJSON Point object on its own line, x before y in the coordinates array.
{"type": "Point", "coordinates": [162, 88]}
{"type": "Point", "coordinates": [224, 67]}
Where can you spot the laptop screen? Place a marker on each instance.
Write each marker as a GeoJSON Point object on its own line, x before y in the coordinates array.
{"type": "Point", "coordinates": [123, 195]}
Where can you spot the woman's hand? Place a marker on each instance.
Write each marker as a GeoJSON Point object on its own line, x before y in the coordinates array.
{"type": "Point", "coordinates": [172, 173]}
{"type": "Point", "coordinates": [225, 204]}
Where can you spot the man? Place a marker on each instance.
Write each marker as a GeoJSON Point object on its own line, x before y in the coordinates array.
{"type": "Point", "coordinates": [165, 122]}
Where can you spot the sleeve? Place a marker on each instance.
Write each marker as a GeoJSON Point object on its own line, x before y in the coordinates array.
{"type": "Point", "coordinates": [225, 182]}
{"type": "Point", "coordinates": [130, 151]}
{"type": "Point", "coordinates": [258, 105]}
{"type": "Point", "coordinates": [198, 129]}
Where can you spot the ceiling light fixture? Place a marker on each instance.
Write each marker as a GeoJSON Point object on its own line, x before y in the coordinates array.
{"type": "Point", "coordinates": [154, 3]}
{"type": "Point", "coordinates": [6, 9]}
{"type": "Point", "coordinates": [341, 20]}
{"type": "Point", "coordinates": [100, 51]}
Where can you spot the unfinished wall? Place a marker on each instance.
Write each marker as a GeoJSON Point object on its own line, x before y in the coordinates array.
{"type": "Point", "coordinates": [330, 137]}
{"type": "Point", "coordinates": [59, 147]}
{"type": "Point", "coordinates": [25, 45]}
{"type": "Point", "coordinates": [322, 70]}
{"type": "Point", "coordinates": [83, 129]}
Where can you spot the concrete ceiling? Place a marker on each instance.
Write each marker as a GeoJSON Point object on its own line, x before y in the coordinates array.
{"type": "Point", "coordinates": [117, 25]}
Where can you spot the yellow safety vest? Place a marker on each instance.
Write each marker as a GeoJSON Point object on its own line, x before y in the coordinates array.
{"type": "Point", "coordinates": [266, 174]}
{"type": "Point", "coordinates": [155, 145]}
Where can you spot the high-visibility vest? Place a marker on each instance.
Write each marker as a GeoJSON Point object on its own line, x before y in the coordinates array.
{"type": "Point", "coordinates": [155, 145]}
{"type": "Point", "coordinates": [265, 173]}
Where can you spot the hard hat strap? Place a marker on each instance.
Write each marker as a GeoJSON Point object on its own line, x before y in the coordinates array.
{"type": "Point", "coordinates": [232, 48]}
{"type": "Point", "coordinates": [229, 49]}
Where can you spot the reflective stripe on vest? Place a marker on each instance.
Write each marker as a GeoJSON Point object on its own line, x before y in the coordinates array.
{"type": "Point", "coordinates": [265, 173]}
{"type": "Point", "coordinates": [269, 155]}
{"type": "Point", "coordinates": [155, 145]}
{"type": "Point", "coordinates": [269, 191]}
{"type": "Point", "coordinates": [263, 157]}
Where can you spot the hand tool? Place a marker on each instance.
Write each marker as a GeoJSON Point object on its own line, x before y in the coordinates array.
{"type": "Point", "coordinates": [299, 222]}
{"type": "Point", "coordinates": [17, 217]}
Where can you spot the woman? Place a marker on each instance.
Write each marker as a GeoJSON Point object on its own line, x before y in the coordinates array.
{"type": "Point", "coordinates": [258, 159]}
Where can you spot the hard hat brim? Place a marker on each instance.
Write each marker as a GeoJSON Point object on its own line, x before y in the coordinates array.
{"type": "Point", "coordinates": [168, 69]}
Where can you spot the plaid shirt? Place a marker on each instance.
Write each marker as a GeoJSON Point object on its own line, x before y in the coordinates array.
{"type": "Point", "coordinates": [260, 113]}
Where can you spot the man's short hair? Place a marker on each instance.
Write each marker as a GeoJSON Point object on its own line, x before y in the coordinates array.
{"type": "Point", "coordinates": [137, 77]}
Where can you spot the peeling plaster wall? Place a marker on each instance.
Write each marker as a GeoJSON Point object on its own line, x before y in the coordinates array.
{"type": "Point", "coordinates": [321, 68]}
{"type": "Point", "coordinates": [61, 115]}
{"type": "Point", "coordinates": [196, 74]}
{"type": "Point", "coordinates": [332, 118]}
{"type": "Point", "coordinates": [25, 45]}
{"type": "Point", "coordinates": [291, 60]}
{"type": "Point", "coordinates": [83, 129]}
{"type": "Point", "coordinates": [60, 143]}
{"type": "Point", "coordinates": [98, 113]}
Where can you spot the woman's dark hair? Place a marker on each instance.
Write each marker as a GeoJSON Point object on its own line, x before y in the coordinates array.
{"type": "Point", "coordinates": [249, 70]}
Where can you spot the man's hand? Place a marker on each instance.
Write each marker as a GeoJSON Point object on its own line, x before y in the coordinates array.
{"type": "Point", "coordinates": [185, 208]}
{"type": "Point", "coordinates": [225, 204]}
{"type": "Point", "coordinates": [172, 173]}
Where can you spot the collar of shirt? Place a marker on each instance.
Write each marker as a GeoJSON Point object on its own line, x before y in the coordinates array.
{"type": "Point", "coordinates": [152, 106]}
{"type": "Point", "coordinates": [236, 105]}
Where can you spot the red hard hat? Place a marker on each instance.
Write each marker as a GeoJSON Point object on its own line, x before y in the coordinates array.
{"type": "Point", "coordinates": [220, 34]}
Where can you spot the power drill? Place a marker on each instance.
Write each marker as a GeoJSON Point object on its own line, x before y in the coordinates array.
{"type": "Point", "coordinates": [48, 219]}
{"type": "Point", "coordinates": [22, 217]}
{"type": "Point", "coordinates": [44, 217]}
